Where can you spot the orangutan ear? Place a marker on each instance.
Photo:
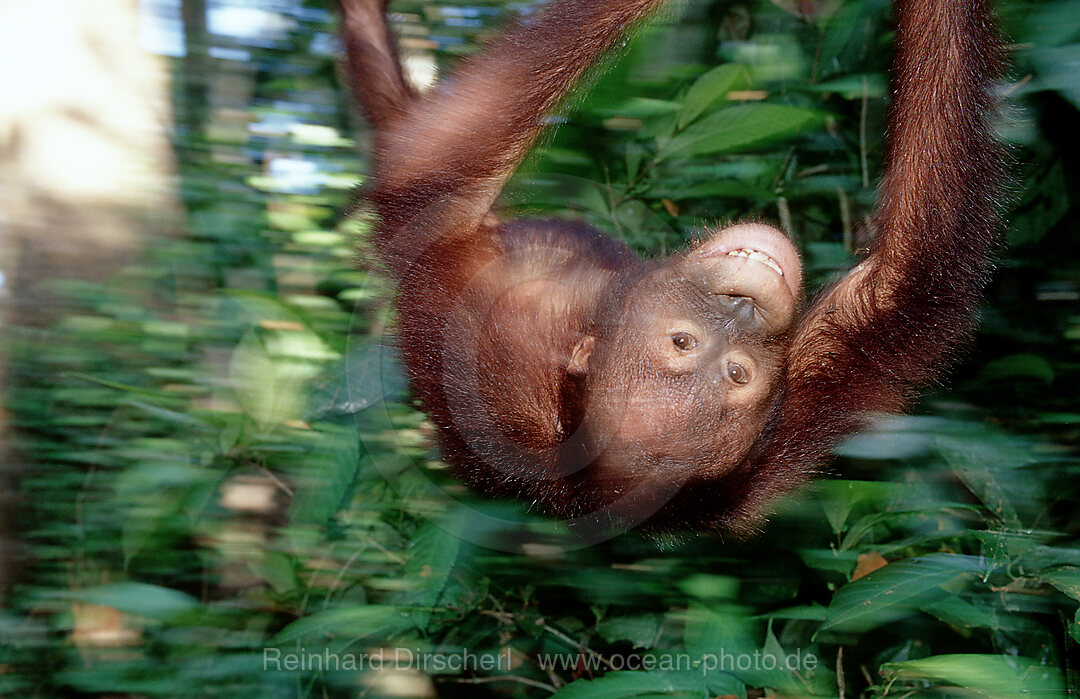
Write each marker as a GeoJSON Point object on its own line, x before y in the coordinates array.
{"type": "Point", "coordinates": [579, 358]}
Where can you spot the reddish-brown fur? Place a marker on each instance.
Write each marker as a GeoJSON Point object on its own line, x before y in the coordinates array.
{"type": "Point", "coordinates": [522, 338]}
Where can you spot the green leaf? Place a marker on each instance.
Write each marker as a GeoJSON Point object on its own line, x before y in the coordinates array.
{"type": "Point", "coordinates": [961, 614]}
{"type": "Point", "coordinates": [739, 126]}
{"type": "Point", "coordinates": [809, 612]}
{"type": "Point", "coordinates": [278, 570]}
{"type": "Point", "coordinates": [1040, 557]}
{"type": "Point", "coordinates": [641, 631]}
{"type": "Point", "coordinates": [1050, 23]}
{"type": "Point", "coordinates": [616, 685]}
{"type": "Point", "coordinates": [371, 374]}
{"type": "Point", "coordinates": [640, 108]}
{"type": "Point", "coordinates": [150, 601]}
{"type": "Point", "coordinates": [711, 87]}
{"type": "Point", "coordinates": [379, 621]}
{"type": "Point", "coordinates": [873, 86]}
{"type": "Point", "coordinates": [1055, 69]}
{"type": "Point", "coordinates": [894, 437]}
{"type": "Point", "coordinates": [898, 589]}
{"type": "Point", "coordinates": [941, 514]}
{"type": "Point", "coordinates": [433, 554]}
{"type": "Point", "coordinates": [1018, 367]}
{"type": "Point", "coordinates": [268, 392]}
{"type": "Point", "coordinates": [847, 35]}
{"type": "Point", "coordinates": [991, 491]}
{"type": "Point", "coordinates": [170, 416]}
{"type": "Point", "coordinates": [325, 481]}
{"type": "Point", "coordinates": [988, 675]}
{"type": "Point", "coordinates": [830, 560]}
{"type": "Point", "coordinates": [838, 497]}
{"type": "Point", "coordinates": [1066, 579]}
{"type": "Point", "coordinates": [709, 586]}
{"type": "Point", "coordinates": [990, 465]}
{"type": "Point", "coordinates": [708, 630]}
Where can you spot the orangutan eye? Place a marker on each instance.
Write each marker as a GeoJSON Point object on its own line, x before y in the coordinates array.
{"type": "Point", "coordinates": [737, 373]}
{"type": "Point", "coordinates": [684, 341]}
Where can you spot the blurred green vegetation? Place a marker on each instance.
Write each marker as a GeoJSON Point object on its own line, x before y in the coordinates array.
{"type": "Point", "coordinates": [223, 466]}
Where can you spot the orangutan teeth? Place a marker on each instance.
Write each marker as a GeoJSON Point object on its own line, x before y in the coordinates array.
{"type": "Point", "coordinates": [758, 256]}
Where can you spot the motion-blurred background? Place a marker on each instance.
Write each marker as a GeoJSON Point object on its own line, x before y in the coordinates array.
{"type": "Point", "coordinates": [210, 462]}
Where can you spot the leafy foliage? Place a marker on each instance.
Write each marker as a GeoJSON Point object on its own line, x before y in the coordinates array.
{"type": "Point", "coordinates": [229, 492]}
